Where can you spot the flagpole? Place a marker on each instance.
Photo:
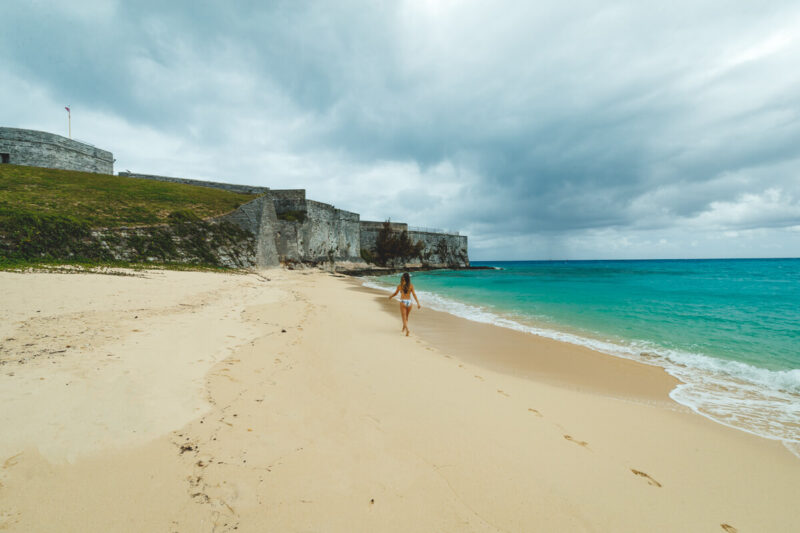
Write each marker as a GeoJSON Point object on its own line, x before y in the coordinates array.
{"type": "Point", "coordinates": [69, 120]}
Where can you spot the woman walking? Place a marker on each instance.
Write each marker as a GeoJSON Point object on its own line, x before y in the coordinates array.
{"type": "Point", "coordinates": [406, 290]}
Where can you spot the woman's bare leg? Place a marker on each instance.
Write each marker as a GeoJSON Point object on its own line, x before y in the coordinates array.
{"type": "Point", "coordinates": [408, 312]}
{"type": "Point", "coordinates": [404, 316]}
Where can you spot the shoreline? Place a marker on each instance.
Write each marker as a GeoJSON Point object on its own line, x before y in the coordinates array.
{"type": "Point", "coordinates": [559, 363]}
{"type": "Point", "coordinates": [375, 270]}
{"type": "Point", "coordinates": [540, 358]}
{"type": "Point", "coordinates": [310, 411]}
{"type": "Point", "coordinates": [686, 379]}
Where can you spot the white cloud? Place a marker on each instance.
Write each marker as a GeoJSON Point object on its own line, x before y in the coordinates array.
{"type": "Point", "coordinates": [770, 208]}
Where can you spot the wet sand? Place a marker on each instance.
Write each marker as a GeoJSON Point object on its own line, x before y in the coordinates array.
{"type": "Point", "coordinates": [524, 355]}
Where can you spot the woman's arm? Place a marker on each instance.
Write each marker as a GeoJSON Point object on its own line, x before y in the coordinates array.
{"type": "Point", "coordinates": [414, 293]}
{"type": "Point", "coordinates": [395, 292]}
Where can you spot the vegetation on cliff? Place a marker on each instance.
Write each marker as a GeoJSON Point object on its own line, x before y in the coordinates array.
{"type": "Point", "coordinates": [292, 216]}
{"type": "Point", "coordinates": [102, 200]}
{"type": "Point", "coordinates": [392, 247]}
{"type": "Point", "coordinates": [28, 238]}
{"type": "Point", "coordinates": [52, 216]}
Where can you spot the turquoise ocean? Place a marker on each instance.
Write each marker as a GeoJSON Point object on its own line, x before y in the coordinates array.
{"type": "Point", "coordinates": [728, 329]}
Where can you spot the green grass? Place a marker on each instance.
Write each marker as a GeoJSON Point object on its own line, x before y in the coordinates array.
{"type": "Point", "coordinates": [102, 200]}
{"type": "Point", "coordinates": [103, 267]}
{"type": "Point", "coordinates": [292, 216]}
{"type": "Point", "coordinates": [47, 216]}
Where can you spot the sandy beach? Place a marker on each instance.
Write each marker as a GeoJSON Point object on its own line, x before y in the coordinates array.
{"type": "Point", "coordinates": [289, 401]}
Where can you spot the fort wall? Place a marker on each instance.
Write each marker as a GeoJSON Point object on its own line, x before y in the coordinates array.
{"type": "Point", "coordinates": [286, 226]}
{"type": "Point", "coordinates": [439, 248]}
{"type": "Point", "coordinates": [442, 249]}
{"type": "Point", "coordinates": [290, 228]}
{"type": "Point", "coordinates": [244, 189]}
{"type": "Point", "coordinates": [369, 232]}
{"type": "Point", "coordinates": [258, 217]}
{"type": "Point", "coordinates": [322, 234]}
{"type": "Point", "coordinates": [41, 149]}
{"type": "Point", "coordinates": [287, 200]}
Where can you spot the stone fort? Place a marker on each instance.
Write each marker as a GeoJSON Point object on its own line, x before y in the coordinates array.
{"type": "Point", "coordinates": [42, 149]}
{"type": "Point", "coordinates": [288, 227]}
{"type": "Point", "coordinates": [291, 228]}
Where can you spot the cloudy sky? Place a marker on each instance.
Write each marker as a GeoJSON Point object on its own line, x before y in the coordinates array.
{"type": "Point", "coordinates": [543, 130]}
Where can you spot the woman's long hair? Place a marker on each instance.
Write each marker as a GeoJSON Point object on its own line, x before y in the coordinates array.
{"type": "Point", "coordinates": [405, 283]}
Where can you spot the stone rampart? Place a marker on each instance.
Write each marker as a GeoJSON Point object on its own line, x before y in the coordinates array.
{"type": "Point", "coordinates": [369, 232]}
{"type": "Point", "coordinates": [325, 234]}
{"type": "Point", "coordinates": [41, 149]}
{"type": "Point", "coordinates": [310, 232]}
{"type": "Point", "coordinates": [212, 242]}
{"type": "Point", "coordinates": [444, 249]}
{"type": "Point", "coordinates": [258, 217]}
{"type": "Point", "coordinates": [244, 189]}
{"type": "Point", "coordinates": [373, 225]}
{"type": "Point", "coordinates": [438, 248]}
{"type": "Point", "coordinates": [287, 200]}
{"type": "Point", "coordinates": [289, 194]}
{"type": "Point", "coordinates": [322, 233]}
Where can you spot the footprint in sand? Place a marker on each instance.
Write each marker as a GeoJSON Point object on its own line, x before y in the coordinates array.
{"type": "Point", "coordinates": [579, 442]}
{"type": "Point", "coordinates": [649, 479]}
{"type": "Point", "coordinates": [478, 377]}
{"type": "Point", "coordinates": [8, 519]}
{"type": "Point", "coordinates": [534, 411]}
{"type": "Point", "coordinates": [500, 391]}
{"type": "Point", "coordinates": [11, 461]}
{"type": "Point", "coordinates": [729, 528]}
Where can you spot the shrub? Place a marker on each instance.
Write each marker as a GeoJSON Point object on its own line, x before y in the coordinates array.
{"type": "Point", "coordinates": [26, 235]}
{"type": "Point", "coordinates": [392, 246]}
{"type": "Point", "coordinates": [293, 216]}
{"type": "Point", "coordinates": [367, 256]}
{"type": "Point", "coordinates": [442, 250]}
{"type": "Point", "coordinates": [182, 216]}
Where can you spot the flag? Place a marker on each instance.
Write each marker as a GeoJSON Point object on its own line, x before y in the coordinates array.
{"type": "Point", "coordinates": [67, 108]}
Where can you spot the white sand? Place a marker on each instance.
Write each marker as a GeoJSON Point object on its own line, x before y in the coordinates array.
{"type": "Point", "coordinates": [339, 423]}
{"type": "Point", "coordinates": [111, 361]}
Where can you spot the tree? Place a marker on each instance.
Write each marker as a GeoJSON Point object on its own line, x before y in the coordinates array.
{"type": "Point", "coordinates": [392, 246]}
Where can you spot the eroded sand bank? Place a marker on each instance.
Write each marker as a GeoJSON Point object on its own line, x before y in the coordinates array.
{"type": "Point", "coordinates": [289, 401]}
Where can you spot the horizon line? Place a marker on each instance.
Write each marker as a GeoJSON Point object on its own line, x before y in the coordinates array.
{"type": "Point", "coordinates": [636, 259]}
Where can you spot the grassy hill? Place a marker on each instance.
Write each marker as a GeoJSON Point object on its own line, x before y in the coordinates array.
{"type": "Point", "coordinates": [102, 200]}
{"type": "Point", "coordinates": [47, 215]}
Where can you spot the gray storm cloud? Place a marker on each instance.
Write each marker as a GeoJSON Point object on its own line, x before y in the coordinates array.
{"type": "Point", "coordinates": [543, 130]}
